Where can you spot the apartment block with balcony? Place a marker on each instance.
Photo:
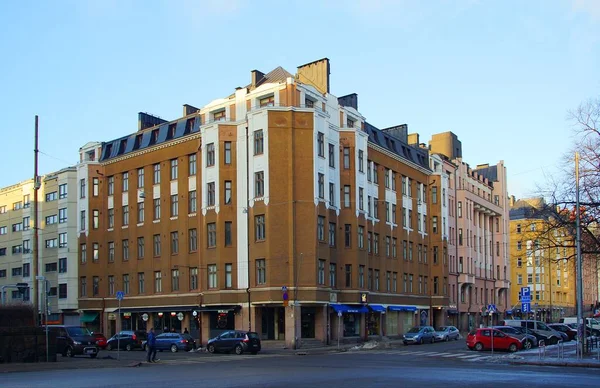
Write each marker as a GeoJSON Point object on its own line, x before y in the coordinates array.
{"type": "Point", "coordinates": [482, 252]}
{"type": "Point", "coordinates": [57, 243]}
{"type": "Point", "coordinates": [277, 209]}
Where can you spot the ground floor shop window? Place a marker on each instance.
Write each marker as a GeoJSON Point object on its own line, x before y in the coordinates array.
{"type": "Point", "coordinates": [221, 321]}
{"type": "Point", "coordinates": [407, 320]}
{"type": "Point", "coordinates": [391, 324]}
{"type": "Point", "coordinates": [373, 323]}
{"type": "Point", "coordinates": [308, 318]}
{"type": "Point", "coordinates": [351, 325]}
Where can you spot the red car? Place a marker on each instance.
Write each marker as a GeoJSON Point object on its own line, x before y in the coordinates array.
{"type": "Point", "coordinates": [480, 339]}
{"type": "Point", "coordinates": [100, 340]}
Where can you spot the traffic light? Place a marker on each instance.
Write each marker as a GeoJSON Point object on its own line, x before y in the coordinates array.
{"type": "Point", "coordinates": [22, 288]}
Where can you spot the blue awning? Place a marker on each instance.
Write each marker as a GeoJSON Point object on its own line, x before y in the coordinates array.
{"type": "Point", "coordinates": [344, 308]}
{"type": "Point", "coordinates": [402, 308]}
{"type": "Point", "coordinates": [377, 308]}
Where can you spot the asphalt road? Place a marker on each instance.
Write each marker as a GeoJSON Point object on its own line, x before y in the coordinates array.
{"type": "Point", "coordinates": [401, 367]}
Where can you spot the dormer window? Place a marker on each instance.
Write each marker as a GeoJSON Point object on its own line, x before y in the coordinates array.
{"type": "Point", "coordinates": [308, 103]}
{"type": "Point", "coordinates": [350, 123]}
{"type": "Point", "coordinates": [267, 101]}
{"type": "Point", "coordinates": [219, 116]}
{"type": "Point", "coordinates": [154, 136]}
{"type": "Point", "coordinates": [91, 156]}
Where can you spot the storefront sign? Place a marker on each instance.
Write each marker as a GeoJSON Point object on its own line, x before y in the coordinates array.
{"type": "Point", "coordinates": [126, 315]}
{"type": "Point", "coordinates": [332, 297]}
{"type": "Point", "coordinates": [195, 313]}
{"type": "Point", "coordinates": [180, 316]}
{"type": "Point", "coordinates": [145, 317]}
{"type": "Point", "coordinates": [112, 316]}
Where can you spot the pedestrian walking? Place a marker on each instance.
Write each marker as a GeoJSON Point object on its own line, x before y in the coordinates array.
{"type": "Point", "coordinates": [185, 331]}
{"type": "Point", "coordinates": [151, 345]}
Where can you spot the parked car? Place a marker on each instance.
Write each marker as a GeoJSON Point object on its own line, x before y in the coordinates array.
{"type": "Point", "coordinates": [552, 336]}
{"type": "Point", "coordinates": [74, 340]}
{"type": "Point", "coordinates": [173, 342]}
{"type": "Point", "coordinates": [446, 333]}
{"type": "Point", "coordinates": [481, 339]}
{"type": "Point", "coordinates": [100, 340]}
{"type": "Point", "coordinates": [238, 341]}
{"type": "Point", "coordinates": [592, 324]}
{"type": "Point", "coordinates": [569, 331]}
{"type": "Point", "coordinates": [419, 335]}
{"type": "Point", "coordinates": [527, 340]}
{"type": "Point", "coordinates": [588, 331]}
{"type": "Point", "coordinates": [127, 340]}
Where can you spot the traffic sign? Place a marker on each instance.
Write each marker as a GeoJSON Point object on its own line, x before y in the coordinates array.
{"type": "Point", "coordinates": [492, 308]}
{"type": "Point", "coordinates": [339, 313]}
{"type": "Point", "coordinates": [526, 299]}
{"type": "Point", "coordinates": [120, 295]}
{"type": "Point", "coordinates": [525, 307]}
{"type": "Point", "coordinates": [525, 291]}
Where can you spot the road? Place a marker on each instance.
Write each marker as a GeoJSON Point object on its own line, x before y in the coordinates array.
{"type": "Point", "coordinates": [425, 365]}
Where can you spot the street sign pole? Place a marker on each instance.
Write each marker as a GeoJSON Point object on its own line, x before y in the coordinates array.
{"type": "Point", "coordinates": [120, 296]}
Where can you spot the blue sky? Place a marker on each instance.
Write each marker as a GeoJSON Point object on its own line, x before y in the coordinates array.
{"type": "Point", "coordinates": [500, 74]}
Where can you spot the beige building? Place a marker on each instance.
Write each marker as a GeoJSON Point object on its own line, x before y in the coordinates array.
{"type": "Point", "coordinates": [57, 242]}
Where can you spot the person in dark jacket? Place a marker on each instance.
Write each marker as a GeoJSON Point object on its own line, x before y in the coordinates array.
{"type": "Point", "coordinates": [151, 357]}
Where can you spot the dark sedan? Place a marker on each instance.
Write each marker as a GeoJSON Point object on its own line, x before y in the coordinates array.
{"type": "Point", "coordinates": [237, 341]}
{"type": "Point", "coordinates": [174, 342]}
{"type": "Point", "coordinates": [127, 340]}
{"type": "Point", "coordinates": [562, 328]}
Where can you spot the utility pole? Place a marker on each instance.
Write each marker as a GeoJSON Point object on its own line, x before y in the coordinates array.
{"type": "Point", "coordinates": [580, 322]}
{"type": "Point", "coordinates": [36, 186]}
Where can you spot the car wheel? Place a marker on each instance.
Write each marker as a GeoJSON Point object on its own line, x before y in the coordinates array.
{"type": "Point", "coordinates": [93, 355]}
{"type": "Point", "coordinates": [446, 338]}
{"type": "Point", "coordinates": [432, 340]}
{"type": "Point", "coordinates": [420, 342]}
{"type": "Point", "coordinates": [69, 352]}
{"type": "Point", "coordinates": [239, 350]}
{"type": "Point", "coordinates": [479, 346]}
{"type": "Point", "coordinates": [553, 341]}
{"type": "Point", "coordinates": [211, 348]}
{"type": "Point", "coordinates": [405, 343]}
{"type": "Point", "coordinates": [128, 347]}
{"type": "Point", "coordinates": [174, 348]}
{"type": "Point", "coordinates": [109, 347]}
{"type": "Point", "coordinates": [527, 345]}
{"type": "Point", "coordinates": [512, 348]}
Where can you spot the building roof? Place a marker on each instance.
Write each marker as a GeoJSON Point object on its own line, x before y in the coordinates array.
{"type": "Point", "coordinates": [489, 172]}
{"type": "Point", "coordinates": [398, 146]}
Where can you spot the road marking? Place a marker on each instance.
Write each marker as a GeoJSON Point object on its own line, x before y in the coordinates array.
{"type": "Point", "coordinates": [455, 355]}
{"type": "Point", "coordinates": [440, 355]}
{"type": "Point", "coordinates": [469, 356]}
{"type": "Point", "coordinates": [478, 359]}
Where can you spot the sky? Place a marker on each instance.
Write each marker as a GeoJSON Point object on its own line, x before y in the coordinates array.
{"type": "Point", "coordinates": [502, 74]}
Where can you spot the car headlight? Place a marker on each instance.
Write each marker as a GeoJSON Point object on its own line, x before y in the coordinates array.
{"type": "Point", "coordinates": [76, 343]}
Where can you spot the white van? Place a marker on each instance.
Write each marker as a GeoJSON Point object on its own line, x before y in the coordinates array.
{"type": "Point", "coordinates": [552, 336]}
{"type": "Point", "coordinates": [591, 323]}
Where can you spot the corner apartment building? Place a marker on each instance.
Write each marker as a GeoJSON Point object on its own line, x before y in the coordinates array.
{"type": "Point", "coordinates": [277, 209]}
{"type": "Point", "coordinates": [480, 265]}
{"type": "Point", "coordinates": [57, 239]}
{"type": "Point", "coordinates": [543, 258]}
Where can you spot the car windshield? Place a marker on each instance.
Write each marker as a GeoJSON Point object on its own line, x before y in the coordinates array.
{"type": "Point", "coordinates": [253, 335]}
{"type": "Point", "coordinates": [187, 336]}
{"type": "Point", "coordinates": [443, 328]}
{"type": "Point", "coordinates": [415, 330]}
{"type": "Point", "coordinates": [542, 326]}
{"type": "Point", "coordinates": [77, 331]}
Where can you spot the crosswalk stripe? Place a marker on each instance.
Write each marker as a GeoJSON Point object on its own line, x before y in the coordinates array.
{"type": "Point", "coordinates": [469, 356]}
{"type": "Point", "coordinates": [439, 354]}
{"type": "Point", "coordinates": [455, 355]}
{"type": "Point", "coordinates": [477, 359]}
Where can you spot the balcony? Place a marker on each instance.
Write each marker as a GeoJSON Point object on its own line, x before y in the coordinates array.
{"type": "Point", "coordinates": [465, 278]}
{"type": "Point", "coordinates": [500, 284]}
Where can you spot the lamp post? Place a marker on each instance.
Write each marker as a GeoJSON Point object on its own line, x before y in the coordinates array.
{"type": "Point", "coordinates": [45, 294]}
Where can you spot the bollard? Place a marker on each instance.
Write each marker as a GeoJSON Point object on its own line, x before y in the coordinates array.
{"type": "Point", "coordinates": [561, 350]}
{"type": "Point", "coordinates": [541, 349]}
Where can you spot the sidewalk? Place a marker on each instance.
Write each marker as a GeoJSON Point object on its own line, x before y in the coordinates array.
{"type": "Point", "coordinates": [551, 357]}
{"type": "Point", "coordinates": [278, 347]}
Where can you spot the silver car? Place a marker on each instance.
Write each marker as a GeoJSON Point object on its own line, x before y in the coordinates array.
{"type": "Point", "coordinates": [447, 333]}
{"type": "Point", "coordinates": [527, 340]}
{"type": "Point", "coordinates": [419, 335]}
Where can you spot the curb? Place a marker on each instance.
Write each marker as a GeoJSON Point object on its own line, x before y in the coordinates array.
{"type": "Point", "coordinates": [567, 364]}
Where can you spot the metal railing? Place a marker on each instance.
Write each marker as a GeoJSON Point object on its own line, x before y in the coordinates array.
{"type": "Point", "coordinates": [542, 349]}
{"type": "Point", "coordinates": [561, 350]}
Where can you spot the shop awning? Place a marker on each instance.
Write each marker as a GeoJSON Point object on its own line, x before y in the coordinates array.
{"type": "Point", "coordinates": [88, 317]}
{"type": "Point", "coordinates": [344, 308]}
{"type": "Point", "coordinates": [218, 308]}
{"type": "Point", "coordinates": [377, 308]}
{"type": "Point", "coordinates": [402, 308]}
{"type": "Point", "coordinates": [155, 309]}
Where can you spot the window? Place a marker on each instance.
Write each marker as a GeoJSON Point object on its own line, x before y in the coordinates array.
{"type": "Point", "coordinates": [219, 116]}
{"type": "Point", "coordinates": [259, 226]}
{"type": "Point", "coordinates": [3, 230]}
{"type": "Point", "coordinates": [267, 101]}
{"type": "Point", "coordinates": [460, 209]}
{"type": "Point", "coordinates": [16, 249]}
{"type": "Point", "coordinates": [258, 142]}
{"type": "Point", "coordinates": [174, 243]}
{"type": "Point", "coordinates": [17, 227]}
{"type": "Point", "coordinates": [49, 197]}
{"type": "Point", "coordinates": [62, 289]}
{"type": "Point", "coordinates": [83, 253]}
{"type": "Point", "coordinates": [140, 247]}
{"type": "Point", "coordinates": [193, 240]}
{"type": "Point", "coordinates": [370, 279]}
{"type": "Point", "coordinates": [95, 285]}
{"type": "Point", "coordinates": [141, 282]}
{"type": "Point", "coordinates": [376, 243]}
{"type": "Point", "coordinates": [174, 205]}
{"type": "Point", "coordinates": [157, 282]}
{"type": "Point", "coordinates": [405, 250]}
{"type": "Point", "coordinates": [395, 282]}
{"type": "Point", "coordinates": [332, 227]}
{"type": "Point", "coordinates": [210, 154]}
{"type": "Point", "coordinates": [210, 194]}
{"type": "Point", "coordinates": [62, 240]}
{"type": "Point", "coordinates": [361, 237]}
{"type": "Point", "coordinates": [174, 169]}
{"type": "Point", "coordinates": [126, 284]}
{"type": "Point", "coordinates": [2, 251]}
{"type": "Point", "coordinates": [62, 215]}
{"type": "Point", "coordinates": [227, 192]}
{"type": "Point", "coordinates": [211, 235]}
{"type": "Point", "coordinates": [192, 203]}
{"type": "Point", "coordinates": [321, 144]}
{"type": "Point", "coordinates": [125, 247]}
{"type": "Point", "coordinates": [26, 246]}
{"type": "Point", "coordinates": [261, 271]}
{"type": "Point", "coordinates": [95, 219]}
{"type": "Point", "coordinates": [194, 278]}
{"type": "Point", "coordinates": [519, 245]}
{"type": "Point", "coordinates": [50, 243]}
{"type": "Point", "coordinates": [51, 267]}
{"type": "Point", "coordinates": [361, 198]}
{"type": "Point", "coordinates": [460, 236]}
{"type": "Point", "coordinates": [125, 181]}
{"type": "Point", "coordinates": [174, 280]}
{"type": "Point", "coordinates": [410, 283]}
{"type": "Point", "coordinates": [394, 247]}
{"type": "Point", "coordinates": [435, 254]}
{"type": "Point", "coordinates": [228, 275]}
{"type": "Point", "coordinates": [332, 276]}
{"type": "Point", "coordinates": [346, 158]}
{"type": "Point", "coordinates": [156, 174]}
{"type": "Point", "coordinates": [361, 164]}
{"type": "Point", "coordinates": [361, 276]}
{"type": "Point", "coordinates": [125, 215]}
{"type": "Point", "coordinates": [321, 272]}
{"type": "Point", "coordinates": [348, 275]}
{"type": "Point", "coordinates": [331, 155]}
{"type": "Point", "coordinates": [393, 213]}
{"type": "Point", "coordinates": [376, 280]}
{"type": "Point", "coordinates": [350, 123]}
{"type": "Point", "coordinates": [346, 196]}
{"type": "Point", "coordinates": [308, 103]}
{"type": "Point", "coordinates": [388, 244]}
{"type": "Point", "coordinates": [259, 184]}
{"type": "Point", "coordinates": [17, 271]}
{"type": "Point", "coordinates": [26, 270]}
{"type": "Point", "coordinates": [50, 220]}
{"type": "Point", "coordinates": [321, 228]}
{"type": "Point", "coordinates": [110, 185]}
{"type": "Point", "coordinates": [347, 235]}
{"type": "Point", "coordinates": [519, 262]}
{"type": "Point", "coordinates": [434, 225]}
{"type": "Point", "coordinates": [3, 209]}
{"type": "Point", "coordinates": [157, 209]}
{"type": "Point", "coordinates": [140, 174]}
{"type": "Point", "coordinates": [156, 246]}
{"type": "Point", "coordinates": [331, 194]}
{"type": "Point", "coordinates": [62, 265]}
{"type": "Point", "coordinates": [227, 153]}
